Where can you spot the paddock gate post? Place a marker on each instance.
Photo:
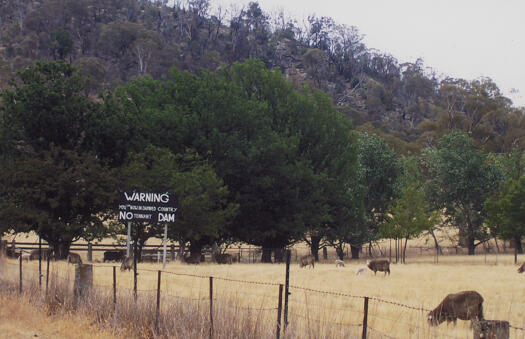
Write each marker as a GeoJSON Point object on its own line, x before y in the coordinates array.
{"type": "Point", "coordinates": [158, 302]}
{"type": "Point", "coordinates": [365, 317]}
{"type": "Point", "coordinates": [20, 285]}
{"type": "Point", "coordinates": [114, 288]}
{"type": "Point", "coordinates": [47, 270]}
{"type": "Point", "coordinates": [211, 307]}
{"type": "Point", "coordinates": [135, 271]}
{"type": "Point", "coordinates": [287, 287]}
{"type": "Point", "coordinates": [279, 311]}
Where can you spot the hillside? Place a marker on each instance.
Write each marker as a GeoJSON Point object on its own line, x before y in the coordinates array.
{"type": "Point", "coordinates": [114, 41]}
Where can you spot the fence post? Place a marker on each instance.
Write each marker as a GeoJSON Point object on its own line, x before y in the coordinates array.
{"type": "Point", "coordinates": [135, 271]}
{"type": "Point", "coordinates": [172, 252]}
{"type": "Point", "coordinates": [47, 270]}
{"type": "Point", "coordinates": [365, 317]}
{"type": "Point", "coordinates": [158, 302]}
{"type": "Point", "coordinates": [39, 263]}
{"type": "Point", "coordinates": [279, 311]}
{"type": "Point", "coordinates": [114, 288]}
{"type": "Point", "coordinates": [287, 287]}
{"type": "Point", "coordinates": [211, 307]}
{"type": "Point", "coordinates": [20, 285]}
{"type": "Point", "coordinates": [83, 282]}
{"type": "Point", "coordinates": [90, 252]}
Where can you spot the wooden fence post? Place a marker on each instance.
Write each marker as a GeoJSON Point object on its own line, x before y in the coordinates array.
{"type": "Point", "coordinates": [47, 270]}
{"type": "Point", "coordinates": [3, 247]}
{"type": "Point", "coordinates": [211, 307]}
{"type": "Point", "coordinates": [135, 271]}
{"type": "Point", "coordinates": [20, 285]}
{"type": "Point", "coordinates": [287, 287]}
{"type": "Point", "coordinates": [114, 288]}
{"type": "Point", "coordinates": [39, 263]}
{"type": "Point", "coordinates": [365, 317]}
{"type": "Point", "coordinates": [279, 311]}
{"type": "Point", "coordinates": [158, 302]}
{"type": "Point", "coordinates": [172, 252]}
{"type": "Point", "coordinates": [497, 329]}
{"type": "Point", "coordinates": [83, 282]}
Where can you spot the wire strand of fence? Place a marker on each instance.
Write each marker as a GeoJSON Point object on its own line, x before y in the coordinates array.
{"type": "Point", "coordinates": [339, 294]}
{"type": "Point", "coordinates": [399, 304]}
{"type": "Point", "coordinates": [517, 328]}
{"type": "Point", "coordinates": [323, 321]}
{"type": "Point", "coordinates": [331, 306]}
{"type": "Point", "coordinates": [380, 333]}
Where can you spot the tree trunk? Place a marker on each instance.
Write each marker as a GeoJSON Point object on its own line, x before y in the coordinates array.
{"type": "Point", "coordinates": [436, 244]}
{"type": "Point", "coordinates": [195, 249]}
{"type": "Point", "coordinates": [279, 255]}
{"type": "Point", "coordinates": [470, 244]}
{"type": "Point", "coordinates": [517, 244]}
{"type": "Point", "coordinates": [61, 249]}
{"type": "Point", "coordinates": [340, 252]}
{"type": "Point", "coordinates": [355, 251]}
{"type": "Point", "coordinates": [266, 255]}
{"type": "Point", "coordinates": [405, 251]}
{"type": "Point", "coordinates": [315, 240]}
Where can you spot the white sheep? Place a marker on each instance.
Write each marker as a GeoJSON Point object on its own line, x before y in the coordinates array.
{"type": "Point", "coordinates": [339, 263]}
{"type": "Point", "coordinates": [361, 270]}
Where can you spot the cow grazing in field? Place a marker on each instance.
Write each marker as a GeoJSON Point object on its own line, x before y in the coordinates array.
{"type": "Point", "coordinates": [361, 270]}
{"type": "Point", "coordinates": [25, 256]}
{"type": "Point", "coordinates": [339, 263]}
{"type": "Point", "coordinates": [45, 253]}
{"type": "Point", "coordinates": [465, 305]}
{"type": "Point", "coordinates": [127, 263]}
{"type": "Point", "coordinates": [307, 260]}
{"type": "Point", "coordinates": [223, 258]}
{"type": "Point", "coordinates": [113, 255]}
{"type": "Point", "coordinates": [192, 259]}
{"type": "Point", "coordinates": [521, 269]}
{"type": "Point", "coordinates": [381, 265]}
{"type": "Point", "coordinates": [74, 258]}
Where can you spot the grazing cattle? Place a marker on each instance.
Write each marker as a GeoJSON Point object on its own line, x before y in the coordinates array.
{"type": "Point", "coordinates": [339, 263]}
{"type": "Point", "coordinates": [465, 305]}
{"type": "Point", "coordinates": [307, 260]}
{"type": "Point", "coordinates": [127, 263]}
{"type": "Point", "coordinates": [361, 270]}
{"type": "Point", "coordinates": [223, 258]}
{"type": "Point", "coordinates": [192, 259]}
{"type": "Point", "coordinates": [45, 253]}
{"type": "Point", "coordinates": [381, 265]}
{"type": "Point", "coordinates": [113, 255]}
{"type": "Point", "coordinates": [521, 269]}
{"type": "Point", "coordinates": [25, 256]}
{"type": "Point", "coordinates": [74, 258]}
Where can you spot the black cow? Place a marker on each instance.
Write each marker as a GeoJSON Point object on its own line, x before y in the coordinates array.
{"type": "Point", "coordinates": [113, 256]}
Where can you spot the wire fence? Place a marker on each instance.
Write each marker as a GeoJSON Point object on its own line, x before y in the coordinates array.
{"type": "Point", "coordinates": [336, 310]}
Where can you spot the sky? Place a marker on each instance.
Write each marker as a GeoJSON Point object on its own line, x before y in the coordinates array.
{"type": "Point", "coordinates": [459, 38]}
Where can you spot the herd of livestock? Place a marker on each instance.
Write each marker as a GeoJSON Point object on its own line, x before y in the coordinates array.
{"type": "Point", "coordinates": [464, 305]}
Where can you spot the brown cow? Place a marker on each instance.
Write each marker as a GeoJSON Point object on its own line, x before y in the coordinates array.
{"type": "Point", "coordinates": [307, 260]}
{"type": "Point", "coordinates": [521, 269]}
{"type": "Point", "coordinates": [127, 263]}
{"type": "Point", "coordinates": [223, 258]}
{"type": "Point", "coordinates": [465, 305]}
{"type": "Point", "coordinates": [381, 265]}
{"type": "Point", "coordinates": [74, 258]}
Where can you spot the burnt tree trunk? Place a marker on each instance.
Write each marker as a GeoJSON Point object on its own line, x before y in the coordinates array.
{"type": "Point", "coordinates": [517, 244]}
{"type": "Point", "coordinates": [279, 254]}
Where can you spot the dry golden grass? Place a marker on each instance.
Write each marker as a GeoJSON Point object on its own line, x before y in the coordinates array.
{"type": "Point", "coordinates": [20, 319]}
{"type": "Point", "coordinates": [420, 284]}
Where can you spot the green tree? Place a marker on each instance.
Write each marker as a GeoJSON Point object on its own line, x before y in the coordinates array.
{"type": "Point", "coordinates": [460, 179]}
{"type": "Point", "coordinates": [506, 212]}
{"type": "Point", "coordinates": [409, 216]}
{"type": "Point", "coordinates": [61, 195]}
{"type": "Point", "coordinates": [46, 108]}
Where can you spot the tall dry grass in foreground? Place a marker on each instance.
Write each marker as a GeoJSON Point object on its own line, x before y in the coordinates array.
{"type": "Point", "coordinates": [247, 310]}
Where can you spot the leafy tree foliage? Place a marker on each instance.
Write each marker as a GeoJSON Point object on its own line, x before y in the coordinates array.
{"type": "Point", "coordinates": [506, 210]}
{"type": "Point", "coordinates": [460, 180]}
{"type": "Point", "coordinates": [61, 195]}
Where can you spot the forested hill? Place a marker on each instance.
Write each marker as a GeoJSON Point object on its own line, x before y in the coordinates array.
{"type": "Point", "coordinates": [114, 41]}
